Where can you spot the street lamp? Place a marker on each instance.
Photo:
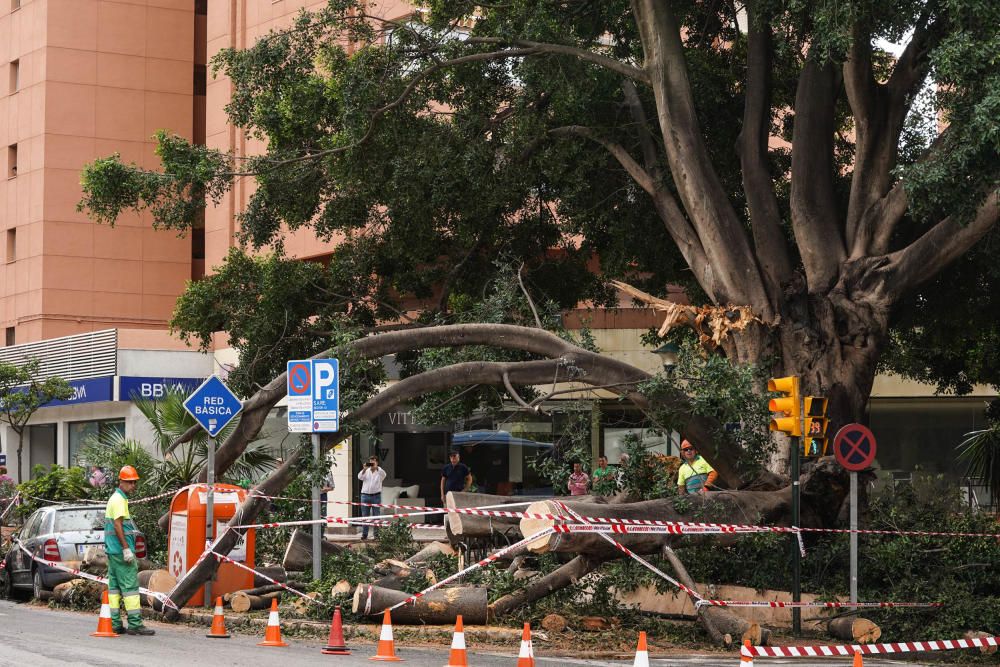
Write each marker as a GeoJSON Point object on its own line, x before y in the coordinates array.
{"type": "Point", "coordinates": [668, 356]}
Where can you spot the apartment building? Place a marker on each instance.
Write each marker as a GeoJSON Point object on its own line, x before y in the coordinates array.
{"type": "Point", "coordinates": [87, 78]}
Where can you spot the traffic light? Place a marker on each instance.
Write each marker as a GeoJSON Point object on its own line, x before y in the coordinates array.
{"type": "Point", "coordinates": [788, 404]}
{"type": "Point", "coordinates": [814, 443]}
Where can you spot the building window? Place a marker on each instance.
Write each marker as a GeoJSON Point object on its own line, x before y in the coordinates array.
{"type": "Point", "coordinates": [11, 245]}
{"type": "Point", "coordinates": [41, 447]}
{"type": "Point", "coordinates": [9, 338]}
{"type": "Point", "coordinates": [15, 5]}
{"type": "Point", "coordinates": [201, 7]}
{"type": "Point", "coordinates": [12, 161]}
{"type": "Point", "coordinates": [84, 433]}
{"type": "Point", "coordinates": [15, 76]}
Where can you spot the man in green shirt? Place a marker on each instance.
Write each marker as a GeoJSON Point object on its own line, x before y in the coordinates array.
{"type": "Point", "coordinates": [603, 478]}
{"type": "Point", "coordinates": [119, 545]}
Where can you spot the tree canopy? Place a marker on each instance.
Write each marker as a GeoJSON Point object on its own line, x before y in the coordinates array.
{"type": "Point", "coordinates": [770, 154]}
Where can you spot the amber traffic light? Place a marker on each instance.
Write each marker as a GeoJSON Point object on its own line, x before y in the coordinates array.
{"type": "Point", "coordinates": [788, 404]}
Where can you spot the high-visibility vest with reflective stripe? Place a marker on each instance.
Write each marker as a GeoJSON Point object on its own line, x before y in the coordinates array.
{"type": "Point", "coordinates": [118, 507]}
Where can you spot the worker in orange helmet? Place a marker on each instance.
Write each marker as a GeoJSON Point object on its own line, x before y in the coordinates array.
{"type": "Point", "coordinates": [119, 544]}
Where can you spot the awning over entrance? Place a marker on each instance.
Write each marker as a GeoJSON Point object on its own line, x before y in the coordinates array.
{"type": "Point", "coordinates": [470, 438]}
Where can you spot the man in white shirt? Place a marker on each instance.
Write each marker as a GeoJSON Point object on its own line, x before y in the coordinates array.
{"type": "Point", "coordinates": [371, 477]}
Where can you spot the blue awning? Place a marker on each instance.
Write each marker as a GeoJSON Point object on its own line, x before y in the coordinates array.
{"type": "Point", "coordinates": [484, 437]}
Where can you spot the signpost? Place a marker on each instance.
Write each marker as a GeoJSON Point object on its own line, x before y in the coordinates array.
{"type": "Point", "coordinates": [213, 406]}
{"type": "Point", "coordinates": [855, 450]}
{"type": "Point", "coordinates": [314, 407]}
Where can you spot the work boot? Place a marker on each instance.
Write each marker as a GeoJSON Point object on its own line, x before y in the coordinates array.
{"type": "Point", "coordinates": [117, 629]}
{"type": "Point", "coordinates": [141, 630]}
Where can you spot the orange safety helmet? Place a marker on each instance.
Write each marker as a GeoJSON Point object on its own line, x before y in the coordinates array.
{"type": "Point", "coordinates": [128, 474]}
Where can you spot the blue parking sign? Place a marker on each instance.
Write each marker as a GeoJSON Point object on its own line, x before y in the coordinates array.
{"type": "Point", "coordinates": [325, 395]}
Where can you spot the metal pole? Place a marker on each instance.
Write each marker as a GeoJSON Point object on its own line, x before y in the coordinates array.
{"type": "Point", "coordinates": [210, 511]}
{"type": "Point", "coordinates": [854, 537]}
{"type": "Point", "coordinates": [796, 564]}
{"type": "Point", "coordinates": [317, 529]}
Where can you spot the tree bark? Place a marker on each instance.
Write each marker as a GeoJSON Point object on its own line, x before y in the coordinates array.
{"type": "Point", "coordinates": [258, 590]}
{"type": "Point", "coordinates": [243, 602]}
{"type": "Point", "coordinates": [298, 553]}
{"type": "Point", "coordinates": [276, 572]}
{"type": "Point", "coordinates": [854, 629]}
{"type": "Point", "coordinates": [461, 526]}
{"type": "Point", "coordinates": [438, 607]}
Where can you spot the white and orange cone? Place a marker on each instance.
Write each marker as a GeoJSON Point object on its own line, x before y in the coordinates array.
{"type": "Point", "coordinates": [104, 627]}
{"type": "Point", "coordinates": [458, 657]}
{"type": "Point", "coordinates": [858, 660]}
{"type": "Point", "coordinates": [746, 657]}
{"type": "Point", "coordinates": [386, 646]}
{"type": "Point", "coordinates": [218, 630]}
{"type": "Point", "coordinates": [272, 635]}
{"type": "Point", "coordinates": [641, 653]}
{"type": "Point", "coordinates": [526, 656]}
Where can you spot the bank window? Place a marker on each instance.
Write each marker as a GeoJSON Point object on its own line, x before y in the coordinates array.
{"type": "Point", "coordinates": [82, 433]}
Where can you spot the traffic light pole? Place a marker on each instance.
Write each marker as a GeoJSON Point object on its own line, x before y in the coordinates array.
{"type": "Point", "coordinates": [796, 562]}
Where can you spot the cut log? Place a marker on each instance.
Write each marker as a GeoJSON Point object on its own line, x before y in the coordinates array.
{"type": "Point", "coordinates": [259, 590]}
{"type": "Point", "coordinates": [95, 561]}
{"type": "Point", "coordinates": [461, 526]}
{"type": "Point", "coordinates": [396, 572]}
{"type": "Point", "coordinates": [979, 634]}
{"type": "Point", "coordinates": [342, 587]}
{"type": "Point", "coordinates": [298, 553]}
{"type": "Point", "coordinates": [436, 608]}
{"type": "Point", "coordinates": [160, 581]}
{"type": "Point", "coordinates": [78, 591]}
{"type": "Point", "coordinates": [241, 602]}
{"type": "Point", "coordinates": [822, 490]}
{"type": "Point", "coordinates": [276, 572]}
{"type": "Point", "coordinates": [854, 629]}
{"type": "Point", "coordinates": [429, 551]}
{"type": "Point", "coordinates": [594, 623]}
{"type": "Point", "coordinates": [301, 606]}
{"type": "Point", "coordinates": [554, 623]}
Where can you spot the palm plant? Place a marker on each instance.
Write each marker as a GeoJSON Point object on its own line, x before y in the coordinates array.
{"type": "Point", "coordinates": [981, 452]}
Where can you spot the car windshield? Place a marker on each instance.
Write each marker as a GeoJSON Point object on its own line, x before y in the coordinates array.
{"type": "Point", "coordinates": [83, 519]}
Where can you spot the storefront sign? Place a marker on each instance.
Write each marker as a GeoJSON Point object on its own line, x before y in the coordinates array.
{"type": "Point", "coordinates": [91, 390]}
{"type": "Point", "coordinates": [130, 388]}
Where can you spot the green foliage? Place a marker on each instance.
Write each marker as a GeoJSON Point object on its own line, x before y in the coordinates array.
{"type": "Point", "coordinates": [58, 484]}
{"type": "Point", "coordinates": [556, 465]}
{"type": "Point", "coordinates": [644, 474]}
{"type": "Point", "coordinates": [719, 388]}
{"type": "Point", "coordinates": [23, 390]}
{"type": "Point", "coordinates": [980, 451]}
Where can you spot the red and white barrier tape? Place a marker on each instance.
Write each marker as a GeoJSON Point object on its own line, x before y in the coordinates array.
{"type": "Point", "coordinates": [162, 597]}
{"type": "Point", "coordinates": [227, 559]}
{"type": "Point", "coordinates": [486, 561]}
{"type": "Point", "coordinates": [775, 604]}
{"type": "Point", "coordinates": [866, 649]}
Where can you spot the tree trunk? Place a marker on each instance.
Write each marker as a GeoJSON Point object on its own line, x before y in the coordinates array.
{"type": "Point", "coordinates": [429, 551]}
{"type": "Point", "coordinates": [259, 590]}
{"type": "Point", "coordinates": [276, 572]}
{"type": "Point", "coordinates": [854, 629]}
{"type": "Point", "coordinates": [469, 525]}
{"type": "Point", "coordinates": [298, 554]}
{"type": "Point", "coordinates": [397, 572]}
{"type": "Point", "coordinates": [565, 575]}
{"type": "Point", "coordinates": [438, 607]}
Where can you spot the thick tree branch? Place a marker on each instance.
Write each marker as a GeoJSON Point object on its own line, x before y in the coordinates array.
{"type": "Point", "coordinates": [625, 69]}
{"type": "Point", "coordinates": [650, 155]}
{"type": "Point", "coordinates": [879, 222]}
{"type": "Point", "coordinates": [666, 206]}
{"type": "Point", "coordinates": [765, 217]}
{"type": "Point", "coordinates": [940, 246]}
{"type": "Point", "coordinates": [814, 209]}
{"type": "Point", "coordinates": [720, 230]}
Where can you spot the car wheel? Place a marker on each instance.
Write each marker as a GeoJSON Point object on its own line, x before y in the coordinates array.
{"type": "Point", "coordinates": [36, 584]}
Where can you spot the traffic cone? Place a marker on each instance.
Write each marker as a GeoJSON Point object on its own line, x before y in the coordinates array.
{"type": "Point", "coordinates": [386, 647]}
{"type": "Point", "coordinates": [458, 658]}
{"type": "Point", "coordinates": [335, 644]}
{"type": "Point", "coordinates": [858, 661]}
{"type": "Point", "coordinates": [641, 654]}
{"type": "Point", "coordinates": [746, 657]}
{"type": "Point", "coordinates": [526, 656]}
{"type": "Point", "coordinates": [218, 630]}
{"type": "Point", "coordinates": [272, 636]}
{"type": "Point", "coordinates": [104, 628]}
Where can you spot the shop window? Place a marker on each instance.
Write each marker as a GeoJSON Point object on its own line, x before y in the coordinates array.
{"type": "Point", "coordinates": [84, 433]}
{"type": "Point", "coordinates": [42, 447]}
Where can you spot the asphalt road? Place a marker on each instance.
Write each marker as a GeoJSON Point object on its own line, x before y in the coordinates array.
{"type": "Point", "coordinates": [38, 637]}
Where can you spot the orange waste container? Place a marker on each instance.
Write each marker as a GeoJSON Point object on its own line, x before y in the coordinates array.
{"type": "Point", "coordinates": [187, 537]}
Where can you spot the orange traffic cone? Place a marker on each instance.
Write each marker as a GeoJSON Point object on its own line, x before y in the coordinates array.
{"type": "Point", "coordinates": [218, 630]}
{"type": "Point", "coordinates": [104, 628]}
{"type": "Point", "coordinates": [858, 661]}
{"type": "Point", "coordinates": [526, 656]}
{"type": "Point", "coordinates": [272, 635]}
{"type": "Point", "coordinates": [386, 647]}
{"type": "Point", "coordinates": [641, 654]}
{"type": "Point", "coordinates": [746, 657]}
{"type": "Point", "coordinates": [458, 658]}
{"type": "Point", "coordinates": [335, 644]}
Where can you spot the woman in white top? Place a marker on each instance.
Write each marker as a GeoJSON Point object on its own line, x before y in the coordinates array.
{"type": "Point", "coordinates": [371, 477]}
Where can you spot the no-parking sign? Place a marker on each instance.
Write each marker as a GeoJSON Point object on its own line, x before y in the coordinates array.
{"type": "Point", "coordinates": [313, 395]}
{"type": "Point", "coordinates": [854, 447]}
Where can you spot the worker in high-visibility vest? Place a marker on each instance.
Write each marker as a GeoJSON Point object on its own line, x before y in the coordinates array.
{"type": "Point", "coordinates": [119, 544]}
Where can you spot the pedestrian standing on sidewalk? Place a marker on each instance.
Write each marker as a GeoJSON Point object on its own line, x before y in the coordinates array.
{"type": "Point", "coordinates": [119, 545]}
{"type": "Point", "coordinates": [371, 477]}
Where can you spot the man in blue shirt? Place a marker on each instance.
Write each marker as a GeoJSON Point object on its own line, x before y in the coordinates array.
{"type": "Point", "coordinates": [455, 476]}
